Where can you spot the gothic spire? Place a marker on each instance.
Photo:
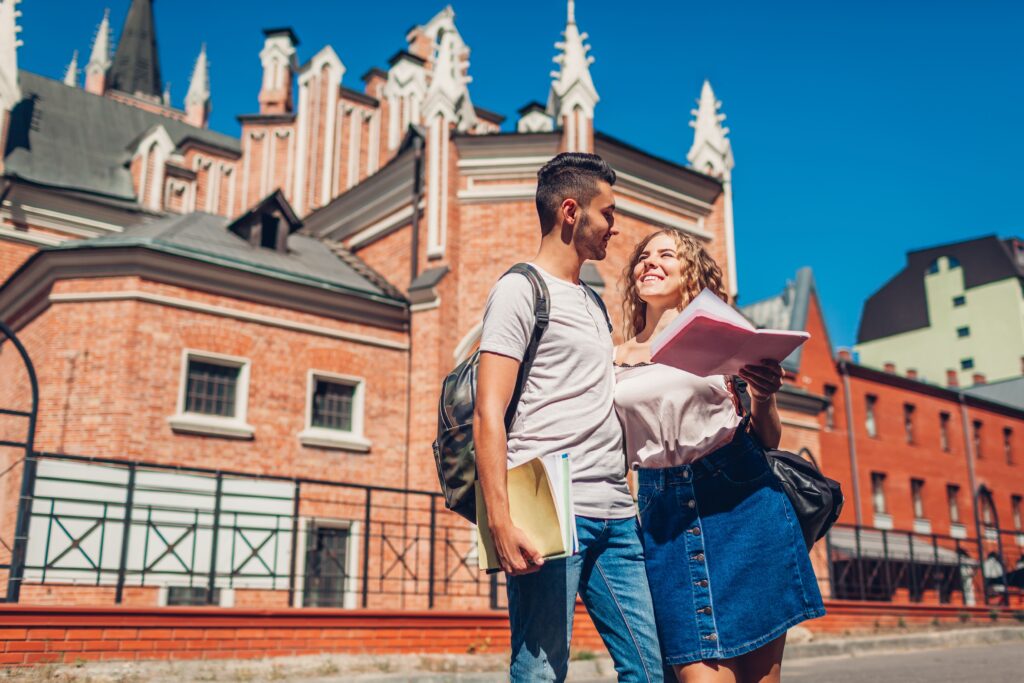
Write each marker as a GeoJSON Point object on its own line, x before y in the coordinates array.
{"type": "Point", "coordinates": [10, 91]}
{"type": "Point", "coordinates": [136, 67]}
{"type": "Point", "coordinates": [71, 73]}
{"type": "Point", "coordinates": [197, 101]}
{"type": "Point", "coordinates": [711, 151]}
{"type": "Point", "coordinates": [572, 85]}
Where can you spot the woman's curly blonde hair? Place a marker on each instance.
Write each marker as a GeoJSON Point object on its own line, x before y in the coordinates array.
{"type": "Point", "coordinates": [699, 270]}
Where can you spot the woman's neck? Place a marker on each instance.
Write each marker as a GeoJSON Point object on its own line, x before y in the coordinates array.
{"type": "Point", "coordinates": [658, 318]}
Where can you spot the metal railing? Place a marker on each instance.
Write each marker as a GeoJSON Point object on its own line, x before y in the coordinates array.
{"type": "Point", "coordinates": [202, 536]}
{"type": "Point", "coordinates": [892, 565]}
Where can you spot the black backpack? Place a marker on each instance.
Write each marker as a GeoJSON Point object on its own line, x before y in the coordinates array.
{"type": "Point", "coordinates": [454, 449]}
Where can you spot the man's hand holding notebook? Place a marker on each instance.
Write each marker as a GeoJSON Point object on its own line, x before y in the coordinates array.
{"type": "Point", "coordinates": [709, 337]}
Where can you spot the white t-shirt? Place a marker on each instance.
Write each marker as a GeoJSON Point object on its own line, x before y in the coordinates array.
{"type": "Point", "coordinates": [567, 402]}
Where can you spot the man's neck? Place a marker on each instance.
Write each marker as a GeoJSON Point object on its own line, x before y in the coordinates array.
{"type": "Point", "coordinates": [559, 259]}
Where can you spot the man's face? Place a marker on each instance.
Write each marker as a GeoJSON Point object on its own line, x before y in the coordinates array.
{"type": "Point", "coordinates": [595, 224]}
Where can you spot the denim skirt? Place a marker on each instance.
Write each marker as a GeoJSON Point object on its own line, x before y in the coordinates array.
{"type": "Point", "coordinates": [725, 559]}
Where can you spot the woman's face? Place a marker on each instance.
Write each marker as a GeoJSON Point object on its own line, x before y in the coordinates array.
{"type": "Point", "coordinates": [658, 271]}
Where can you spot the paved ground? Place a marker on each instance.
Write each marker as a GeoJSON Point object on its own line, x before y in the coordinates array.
{"type": "Point", "coordinates": [1003, 663]}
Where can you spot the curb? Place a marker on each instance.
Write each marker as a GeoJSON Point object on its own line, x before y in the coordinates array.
{"type": "Point", "coordinates": [854, 646]}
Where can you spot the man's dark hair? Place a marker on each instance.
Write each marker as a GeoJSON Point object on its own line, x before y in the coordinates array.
{"type": "Point", "coordinates": [569, 175]}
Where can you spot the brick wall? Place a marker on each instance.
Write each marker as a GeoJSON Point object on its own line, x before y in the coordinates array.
{"type": "Point", "coordinates": [34, 635]}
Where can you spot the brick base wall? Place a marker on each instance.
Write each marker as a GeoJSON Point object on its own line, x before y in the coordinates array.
{"type": "Point", "coordinates": [69, 635]}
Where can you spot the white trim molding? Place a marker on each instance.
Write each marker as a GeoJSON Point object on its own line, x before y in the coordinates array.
{"type": "Point", "coordinates": [234, 427]}
{"type": "Point", "coordinates": [323, 437]}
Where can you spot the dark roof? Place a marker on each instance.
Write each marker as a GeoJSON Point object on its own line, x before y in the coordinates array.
{"type": "Point", "coordinates": [1009, 392]}
{"type": "Point", "coordinates": [531, 106]}
{"type": "Point", "coordinates": [274, 199]}
{"type": "Point", "coordinates": [901, 304]}
{"type": "Point", "coordinates": [136, 65]}
{"type": "Point", "coordinates": [374, 71]}
{"type": "Point", "coordinates": [205, 237]}
{"type": "Point", "coordinates": [402, 54]}
{"type": "Point", "coordinates": [785, 311]}
{"type": "Point", "coordinates": [488, 115]}
{"type": "Point", "coordinates": [68, 138]}
{"type": "Point", "coordinates": [284, 30]}
{"type": "Point", "coordinates": [286, 117]}
{"type": "Point", "coordinates": [428, 278]}
{"type": "Point", "coordinates": [359, 96]}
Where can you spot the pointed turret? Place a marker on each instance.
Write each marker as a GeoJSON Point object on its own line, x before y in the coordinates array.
{"type": "Point", "coordinates": [448, 92]}
{"type": "Point", "coordinates": [10, 92]}
{"type": "Point", "coordinates": [711, 153]}
{"type": "Point", "coordinates": [278, 59]}
{"type": "Point", "coordinates": [136, 66]}
{"type": "Point", "coordinates": [573, 96]}
{"type": "Point", "coordinates": [71, 73]}
{"type": "Point", "coordinates": [99, 58]}
{"type": "Point", "coordinates": [197, 101]}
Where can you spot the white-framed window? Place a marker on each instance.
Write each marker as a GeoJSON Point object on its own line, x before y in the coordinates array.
{"type": "Point", "coordinates": [878, 492]}
{"type": "Point", "coordinates": [334, 412]}
{"type": "Point", "coordinates": [193, 596]}
{"type": "Point", "coordinates": [917, 497]}
{"type": "Point", "coordinates": [213, 395]}
{"type": "Point", "coordinates": [870, 424]}
{"type": "Point", "coordinates": [327, 555]}
{"type": "Point", "coordinates": [953, 498]}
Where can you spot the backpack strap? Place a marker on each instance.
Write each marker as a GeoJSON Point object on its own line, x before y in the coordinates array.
{"type": "Point", "coordinates": [541, 312]}
{"type": "Point", "coordinates": [599, 301]}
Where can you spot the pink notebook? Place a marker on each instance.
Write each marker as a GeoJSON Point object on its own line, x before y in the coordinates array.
{"type": "Point", "coordinates": [710, 338]}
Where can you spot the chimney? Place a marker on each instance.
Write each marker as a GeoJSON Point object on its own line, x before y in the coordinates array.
{"type": "Point", "coordinates": [978, 378]}
{"type": "Point", "coordinates": [375, 79]}
{"type": "Point", "coordinates": [951, 379]}
{"type": "Point", "coordinates": [911, 373]}
{"type": "Point", "coordinates": [890, 367]}
{"type": "Point", "coordinates": [844, 354]}
{"type": "Point", "coordinates": [279, 64]}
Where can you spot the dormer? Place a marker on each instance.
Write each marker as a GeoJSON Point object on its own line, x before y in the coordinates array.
{"type": "Point", "coordinates": [268, 224]}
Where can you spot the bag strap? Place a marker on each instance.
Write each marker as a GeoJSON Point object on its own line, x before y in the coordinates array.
{"type": "Point", "coordinates": [600, 302]}
{"type": "Point", "coordinates": [541, 312]}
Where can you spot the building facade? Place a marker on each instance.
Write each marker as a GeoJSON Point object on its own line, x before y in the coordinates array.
{"type": "Point", "coordinates": [239, 341]}
{"type": "Point", "coordinates": [954, 315]}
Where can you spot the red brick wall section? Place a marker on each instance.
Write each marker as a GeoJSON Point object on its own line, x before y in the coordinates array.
{"type": "Point", "coordinates": [72, 635]}
{"type": "Point", "coordinates": [69, 635]}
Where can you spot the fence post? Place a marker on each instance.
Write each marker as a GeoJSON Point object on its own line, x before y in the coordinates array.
{"type": "Point", "coordinates": [213, 543]}
{"type": "Point", "coordinates": [366, 548]}
{"type": "Point", "coordinates": [126, 531]}
{"type": "Point", "coordinates": [433, 541]}
{"type": "Point", "coordinates": [21, 527]}
{"type": "Point", "coordinates": [295, 544]}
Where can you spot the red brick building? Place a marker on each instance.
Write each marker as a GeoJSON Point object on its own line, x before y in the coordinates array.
{"type": "Point", "coordinates": [239, 344]}
{"type": "Point", "coordinates": [932, 475]}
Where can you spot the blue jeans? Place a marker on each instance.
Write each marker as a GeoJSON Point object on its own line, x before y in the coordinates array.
{"type": "Point", "coordinates": [608, 573]}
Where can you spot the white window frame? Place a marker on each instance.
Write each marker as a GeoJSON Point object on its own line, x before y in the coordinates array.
{"type": "Point", "coordinates": [352, 574]}
{"type": "Point", "coordinates": [212, 425]}
{"type": "Point", "coordinates": [322, 437]}
{"type": "Point", "coordinates": [226, 596]}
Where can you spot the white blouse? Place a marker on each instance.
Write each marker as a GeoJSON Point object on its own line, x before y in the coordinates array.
{"type": "Point", "coordinates": [671, 417]}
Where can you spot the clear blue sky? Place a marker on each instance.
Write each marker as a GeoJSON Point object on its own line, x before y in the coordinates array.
{"type": "Point", "coordinates": [861, 129]}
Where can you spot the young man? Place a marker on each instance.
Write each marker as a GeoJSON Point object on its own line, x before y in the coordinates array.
{"type": "Point", "coordinates": [566, 407]}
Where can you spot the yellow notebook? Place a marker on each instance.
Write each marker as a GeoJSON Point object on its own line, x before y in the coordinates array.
{"type": "Point", "coordinates": [540, 503]}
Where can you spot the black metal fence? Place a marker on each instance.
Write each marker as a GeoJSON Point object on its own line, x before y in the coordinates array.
{"type": "Point", "coordinates": [887, 565]}
{"type": "Point", "coordinates": [214, 537]}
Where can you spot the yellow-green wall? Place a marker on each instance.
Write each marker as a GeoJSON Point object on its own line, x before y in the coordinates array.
{"type": "Point", "coordinates": [993, 312]}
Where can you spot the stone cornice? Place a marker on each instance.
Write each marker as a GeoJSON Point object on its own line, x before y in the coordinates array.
{"type": "Point", "coordinates": [26, 292]}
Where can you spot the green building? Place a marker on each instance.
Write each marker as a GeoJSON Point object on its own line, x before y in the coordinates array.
{"type": "Point", "coordinates": [954, 314]}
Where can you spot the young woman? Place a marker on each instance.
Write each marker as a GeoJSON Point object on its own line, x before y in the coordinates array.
{"type": "Point", "coordinates": [726, 561]}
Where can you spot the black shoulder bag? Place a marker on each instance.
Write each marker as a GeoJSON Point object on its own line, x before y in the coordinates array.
{"type": "Point", "coordinates": [816, 499]}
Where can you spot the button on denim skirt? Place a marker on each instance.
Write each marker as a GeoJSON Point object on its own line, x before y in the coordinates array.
{"type": "Point", "coordinates": [727, 565]}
